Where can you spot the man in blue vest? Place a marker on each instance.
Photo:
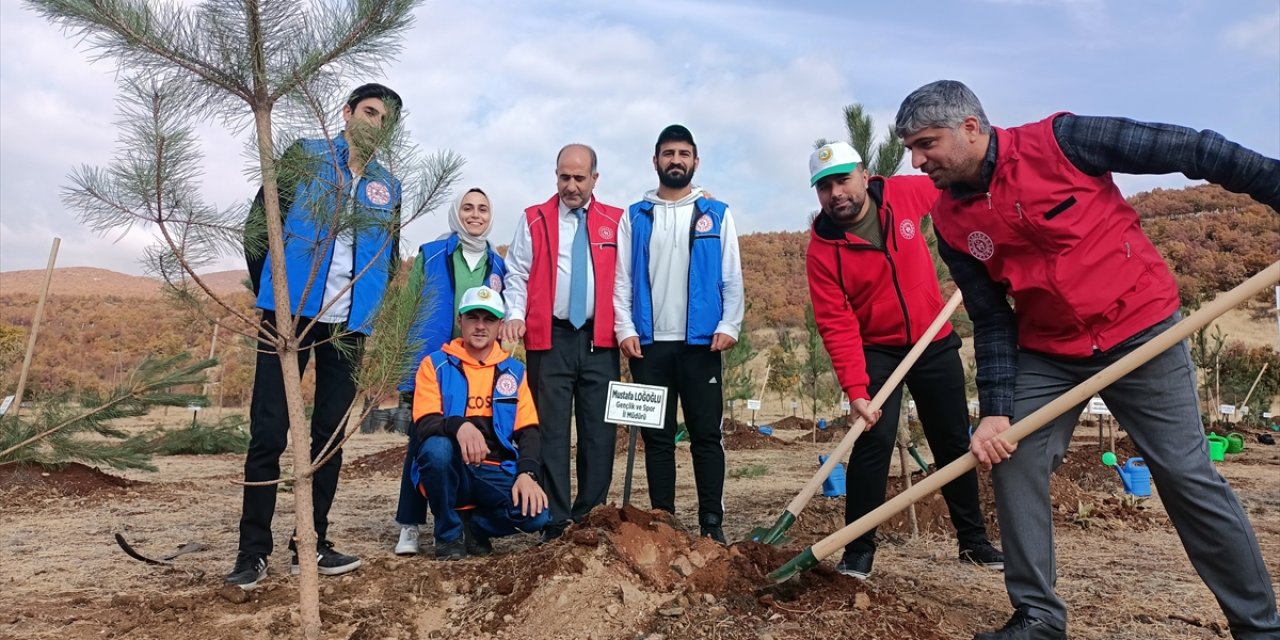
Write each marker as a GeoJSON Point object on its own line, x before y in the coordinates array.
{"type": "Point", "coordinates": [337, 275]}
{"type": "Point", "coordinates": [677, 307]}
{"type": "Point", "coordinates": [479, 456]}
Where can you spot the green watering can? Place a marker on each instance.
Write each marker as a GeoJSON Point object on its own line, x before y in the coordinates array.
{"type": "Point", "coordinates": [1217, 447]}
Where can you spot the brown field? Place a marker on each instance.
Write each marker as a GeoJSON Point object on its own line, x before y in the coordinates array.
{"type": "Point", "coordinates": [624, 574]}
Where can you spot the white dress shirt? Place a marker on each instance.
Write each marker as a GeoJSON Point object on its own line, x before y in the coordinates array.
{"type": "Point", "coordinates": [520, 259]}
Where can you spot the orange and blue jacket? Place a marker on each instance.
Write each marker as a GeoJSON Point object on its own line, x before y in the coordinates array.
{"type": "Point", "coordinates": [453, 388]}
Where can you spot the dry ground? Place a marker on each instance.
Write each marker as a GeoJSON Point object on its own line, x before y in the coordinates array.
{"type": "Point", "coordinates": [624, 575]}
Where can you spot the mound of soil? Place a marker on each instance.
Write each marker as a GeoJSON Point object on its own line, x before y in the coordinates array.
{"type": "Point", "coordinates": [794, 423]}
{"type": "Point", "coordinates": [388, 461]}
{"type": "Point", "coordinates": [73, 479]}
{"type": "Point", "coordinates": [747, 438]}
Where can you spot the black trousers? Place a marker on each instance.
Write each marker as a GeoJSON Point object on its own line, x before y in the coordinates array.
{"type": "Point", "coordinates": [269, 429]}
{"type": "Point", "coordinates": [937, 385]}
{"type": "Point", "coordinates": [573, 377]}
{"type": "Point", "coordinates": [693, 373]}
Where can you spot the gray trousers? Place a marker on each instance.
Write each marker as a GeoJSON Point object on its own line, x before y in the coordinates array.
{"type": "Point", "coordinates": [1158, 407]}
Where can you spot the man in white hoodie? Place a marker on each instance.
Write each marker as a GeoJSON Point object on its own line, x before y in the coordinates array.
{"type": "Point", "coordinates": [678, 305]}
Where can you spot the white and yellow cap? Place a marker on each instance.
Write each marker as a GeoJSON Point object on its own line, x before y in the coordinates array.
{"type": "Point", "coordinates": [482, 298]}
{"type": "Point", "coordinates": [830, 159]}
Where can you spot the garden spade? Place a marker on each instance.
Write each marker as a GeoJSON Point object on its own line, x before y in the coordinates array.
{"type": "Point", "coordinates": [810, 557]}
{"type": "Point", "coordinates": [774, 534]}
{"type": "Point", "coordinates": [163, 560]}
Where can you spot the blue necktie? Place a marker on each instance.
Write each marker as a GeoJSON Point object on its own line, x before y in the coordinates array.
{"type": "Point", "coordinates": [578, 276]}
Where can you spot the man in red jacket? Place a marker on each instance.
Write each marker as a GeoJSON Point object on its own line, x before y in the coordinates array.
{"type": "Point", "coordinates": [1032, 213]}
{"type": "Point", "coordinates": [874, 292]}
{"type": "Point", "coordinates": [559, 291]}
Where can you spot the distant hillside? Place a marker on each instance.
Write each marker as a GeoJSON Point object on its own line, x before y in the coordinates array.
{"type": "Point", "coordinates": [95, 282]}
{"type": "Point", "coordinates": [99, 323]}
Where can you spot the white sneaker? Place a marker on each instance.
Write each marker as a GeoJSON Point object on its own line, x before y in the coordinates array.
{"type": "Point", "coordinates": [408, 544]}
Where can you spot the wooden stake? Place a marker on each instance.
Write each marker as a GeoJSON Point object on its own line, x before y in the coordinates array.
{"type": "Point", "coordinates": [1255, 384]}
{"type": "Point", "coordinates": [35, 328]}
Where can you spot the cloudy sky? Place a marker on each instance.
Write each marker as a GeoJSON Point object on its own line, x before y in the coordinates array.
{"type": "Point", "coordinates": [505, 84]}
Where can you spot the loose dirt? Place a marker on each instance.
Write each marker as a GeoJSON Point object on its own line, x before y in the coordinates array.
{"type": "Point", "coordinates": [623, 573]}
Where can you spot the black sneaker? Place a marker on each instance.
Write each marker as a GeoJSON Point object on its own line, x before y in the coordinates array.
{"type": "Point", "coordinates": [713, 532]}
{"type": "Point", "coordinates": [452, 550]}
{"type": "Point", "coordinates": [475, 543]}
{"type": "Point", "coordinates": [1023, 627]}
{"type": "Point", "coordinates": [329, 562]}
{"type": "Point", "coordinates": [249, 570]}
{"type": "Point", "coordinates": [553, 531]}
{"type": "Point", "coordinates": [856, 564]}
{"type": "Point", "coordinates": [709, 527]}
{"type": "Point", "coordinates": [982, 554]}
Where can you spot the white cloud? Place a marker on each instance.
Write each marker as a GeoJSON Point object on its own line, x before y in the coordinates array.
{"type": "Point", "coordinates": [1259, 35]}
{"type": "Point", "coordinates": [507, 84]}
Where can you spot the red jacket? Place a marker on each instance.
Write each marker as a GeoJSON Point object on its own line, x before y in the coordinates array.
{"type": "Point", "coordinates": [544, 232]}
{"type": "Point", "coordinates": [1082, 274]}
{"type": "Point", "coordinates": [878, 296]}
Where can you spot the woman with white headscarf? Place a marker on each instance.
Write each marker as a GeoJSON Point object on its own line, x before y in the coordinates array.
{"type": "Point", "coordinates": [446, 267]}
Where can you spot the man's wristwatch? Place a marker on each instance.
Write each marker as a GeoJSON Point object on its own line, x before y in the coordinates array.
{"type": "Point", "coordinates": [531, 474]}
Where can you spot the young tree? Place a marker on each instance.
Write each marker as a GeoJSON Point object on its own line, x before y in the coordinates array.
{"type": "Point", "coordinates": [784, 369]}
{"type": "Point", "coordinates": [275, 66]}
{"type": "Point", "coordinates": [816, 376]}
{"type": "Point", "coordinates": [737, 373]}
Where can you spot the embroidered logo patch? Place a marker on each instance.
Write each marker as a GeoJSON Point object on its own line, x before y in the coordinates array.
{"type": "Point", "coordinates": [704, 224]}
{"type": "Point", "coordinates": [908, 229]}
{"type": "Point", "coordinates": [981, 246]}
{"type": "Point", "coordinates": [605, 233]}
{"type": "Point", "coordinates": [506, 385]}
{"type": "Point", "coordinates": [495, 282]}
{"type": "Point", "coordinates": [377, 193]}
{"type": "Point", "coordinates": [824, 154]}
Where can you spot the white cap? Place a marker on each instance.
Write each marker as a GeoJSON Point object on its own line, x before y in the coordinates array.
{"type": "Point", "coordinates": [482, 298]}
{"type": "Point", "coordinates": [833, 158]}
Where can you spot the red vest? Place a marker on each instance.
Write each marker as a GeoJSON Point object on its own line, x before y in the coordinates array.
{"type": "Point", "coordinates": [544, 231]}
{"type": "Point", "coordinates": [1082, 274]}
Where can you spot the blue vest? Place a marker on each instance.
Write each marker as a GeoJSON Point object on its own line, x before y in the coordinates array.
{"type": "Point", "coordinates": [307, 228]}
{"type": "Point", "coordinates": [705, 275]}
{"type": "Point", "coordinates": [433, 326]}
{"type": "Point", "coordinates": [454, 391]}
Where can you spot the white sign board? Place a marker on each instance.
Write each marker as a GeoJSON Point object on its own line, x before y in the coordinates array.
{"type": "Point", "coordinates": [1227, 409]}
{"type": "Point", "coordinates": [642, 405]}
{"type": "Point", "coordinates": [753, 405]}
{"type": "Point", "coordinates": [795, 406]}
{"type": "Point", "coordinates": [194, 407]}
{"type": "Point", "coordinates": [4, 406]}
{"type": "Point", "coordinates": [845, 406]}
{"type": "Point", "coordinates": [1266, 415]}
{"type": "Point", "coordinates": [1244, 411]}
{"type": "Point", "coordinates": [1098, 408]}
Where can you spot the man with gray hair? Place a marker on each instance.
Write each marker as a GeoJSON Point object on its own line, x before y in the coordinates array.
{"type": "Point", "coordinates": [1032, 213]}
{"type": "Point", "coordinates": [559, 292]}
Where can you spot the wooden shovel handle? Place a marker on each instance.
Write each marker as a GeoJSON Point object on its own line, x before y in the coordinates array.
{"type": "Point", "coordinates": [846, 444]}
{"type": "Point", "coordinates": [1081, 392]}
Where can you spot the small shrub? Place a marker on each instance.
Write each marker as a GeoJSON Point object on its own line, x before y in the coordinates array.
{"type": "Point", "coordinates": [229, 435]}
{"type": "Point", "coordinates": [749, 471]}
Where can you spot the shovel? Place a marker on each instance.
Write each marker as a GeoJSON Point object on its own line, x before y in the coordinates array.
{"type": "Point", "coordinates": [810, 557]}
{"type": "Point", "coordinates": [774, 534]}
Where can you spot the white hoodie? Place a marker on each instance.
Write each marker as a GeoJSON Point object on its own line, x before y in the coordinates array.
{"type": "Point", "coordinates": [669, 272]}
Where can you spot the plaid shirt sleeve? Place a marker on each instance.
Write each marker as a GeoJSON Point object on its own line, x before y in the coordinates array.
{"type": "Point", "coordinates": [995, 332]}
{"type": "Point", "coordinates": [1096, 145]}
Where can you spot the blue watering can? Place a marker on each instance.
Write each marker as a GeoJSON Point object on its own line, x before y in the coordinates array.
{"type": "Point", "coordinates": [766, 430]}
{"type": "Point", "coordinates": [1136, 477]}
{"type": "Point", "coordinates": [822, 424]}
{"type": "Point", "coordinates": [833, 486]}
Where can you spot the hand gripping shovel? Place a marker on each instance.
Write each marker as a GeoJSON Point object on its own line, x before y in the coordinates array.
{"type": "Point", "coordinates": [1024, 427]}
{"type": "Point", "coordinates": [774, 534]}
